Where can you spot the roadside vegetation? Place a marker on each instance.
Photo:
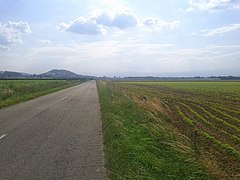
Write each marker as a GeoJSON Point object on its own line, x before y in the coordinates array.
{"type": "Point", "coordinates": [15, 91]}
{"type": "Point", "coordinates": [140, 144]}
{"type": "Point", "coordinates": [171, 130]}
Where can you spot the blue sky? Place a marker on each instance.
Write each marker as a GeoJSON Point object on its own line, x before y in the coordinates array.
{"type": "Point", "coordinates": [121, 38]}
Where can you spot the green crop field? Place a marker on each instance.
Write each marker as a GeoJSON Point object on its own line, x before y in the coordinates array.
{"type": "Point", "coordinates": [15, 91]}
{"type": "Point", "coordinates": [171, 130]}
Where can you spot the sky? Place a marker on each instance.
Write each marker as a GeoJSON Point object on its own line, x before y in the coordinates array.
{"type": "Point", "coordinates": [120, 37]}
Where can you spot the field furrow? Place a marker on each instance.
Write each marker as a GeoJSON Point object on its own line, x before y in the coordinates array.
{"type": "Point", "coordinates": [193, 116]}
{"type": "Point", "coordinates": [224, 115]}
{"type": "Point", "coordinates": [226, 147]}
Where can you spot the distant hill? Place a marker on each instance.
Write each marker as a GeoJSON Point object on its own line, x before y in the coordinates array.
{"type": "Point", "coordinates": [12, 74]}
{"type": "Point", "coordinates": [53, 74]}
{"type": "Point", "coordinates": [60, 73]}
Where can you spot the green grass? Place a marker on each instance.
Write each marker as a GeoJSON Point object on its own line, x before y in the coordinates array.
{"type": "Point", "coordinates": [186, 108]}
{"type": "Point", "coordinates": [140, 146]}
{"type": "Point", "coordinates": [15, 91]}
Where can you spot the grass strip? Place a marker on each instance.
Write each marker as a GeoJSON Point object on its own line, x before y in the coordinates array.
{"type": "Point", "coordinates": [16, 91]}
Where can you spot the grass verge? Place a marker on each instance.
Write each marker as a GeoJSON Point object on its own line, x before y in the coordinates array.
{"type": "Point", "coordinates": [139, 146]}
{"type": "Point", "coordinates": [16, 91]}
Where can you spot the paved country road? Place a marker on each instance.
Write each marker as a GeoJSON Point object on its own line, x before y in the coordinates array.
{"type": "Point", "coordinates": [56, 136]}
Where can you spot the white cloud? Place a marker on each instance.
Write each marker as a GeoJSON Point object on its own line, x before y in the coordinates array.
{"type": "Point", "coordinates": [11, 33]}
{"type": "Point", "coordinates": [218, 31]}
{"type": "Point", "coordinates": [62, 27]}
{"type": "Point", "coordinates": [45, 41]}
{"type": "Point", "coordinates": [19, 27]}
{"type": "Point", "coordinates": [101, 23]}
{"type": "Point", "coordinates": [157, 24]}
{"type": "Point", "coordinates": [104, 19]}
{"type": "Point", "coordinates": [213, 4]}
{"type": "Point", "coordinates": [119, 20]}
{"type": "Point", "coordinates": [124, 20]}
{"type": "Point", "coordinates": [83, 26]}
{"type": "Point", "coordinates": [98, 24]}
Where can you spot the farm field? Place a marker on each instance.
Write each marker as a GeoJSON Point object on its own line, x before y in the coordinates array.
{"type": "Point", "coordinates": [152, 123]}
{"type": "Point", "coordinates": [15, 91]}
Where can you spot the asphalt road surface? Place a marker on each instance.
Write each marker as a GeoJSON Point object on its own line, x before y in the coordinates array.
{"type": "Point", "coordinates": [56, 136]}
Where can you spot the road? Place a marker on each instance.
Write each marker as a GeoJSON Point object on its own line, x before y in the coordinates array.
{"type": "Point", "coordinates": [56, 136]}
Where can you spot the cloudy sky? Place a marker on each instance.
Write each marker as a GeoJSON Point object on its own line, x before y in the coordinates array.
{"type": "Point", "coordinates": [120, 37]}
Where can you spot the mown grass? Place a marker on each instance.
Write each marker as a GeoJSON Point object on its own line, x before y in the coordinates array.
{"type": "Point", "coordinates": [140, 146]}
{"type": "Point", "coordinates": [15, 91]}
